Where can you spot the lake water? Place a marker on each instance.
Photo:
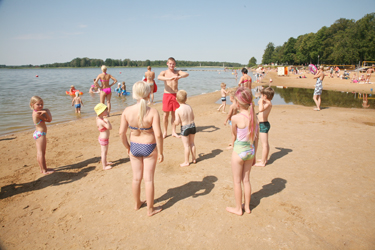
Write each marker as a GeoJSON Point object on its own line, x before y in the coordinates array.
{"type": "Point", "coordinates": [19, 85]}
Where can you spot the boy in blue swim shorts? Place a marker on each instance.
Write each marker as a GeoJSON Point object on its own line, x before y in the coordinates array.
{"type": "Point", "coordinates": [265, 107]}
{"type": "Point", "coordinates": [77, 102]}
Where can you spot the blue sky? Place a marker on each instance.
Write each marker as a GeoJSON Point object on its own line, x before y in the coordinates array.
{"type": "Point", "coordinates": [38, 32]}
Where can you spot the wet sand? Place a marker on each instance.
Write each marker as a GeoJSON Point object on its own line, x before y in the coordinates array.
{"type": "Point", "coordinates": [317, 192]}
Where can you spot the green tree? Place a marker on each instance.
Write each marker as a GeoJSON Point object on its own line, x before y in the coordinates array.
{"type": "Point", "coordinates": [267, 56]}
{"type": "Point", "coordinates": [252, 62]}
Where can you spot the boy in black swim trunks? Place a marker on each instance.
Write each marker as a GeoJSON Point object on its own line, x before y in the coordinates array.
{"type": "Point", "coordinates": [265, 107]}
{"type": "Point", "coordinates": [185, 117]}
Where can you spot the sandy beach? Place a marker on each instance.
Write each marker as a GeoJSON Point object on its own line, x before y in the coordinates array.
{"type": "Point", "coordinates": [317, 192]}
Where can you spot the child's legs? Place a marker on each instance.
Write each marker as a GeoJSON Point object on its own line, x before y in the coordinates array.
{"type": "Point", "coordinates": [246, 183]}
{"type": "Point", "coordinates": [265, 146]}
{"type": "Point", "coordinates": [104, 155]}
{"type": "Point", "coordinates": [149, 165]}
{"type": "Point", "coordinates": [192, 147]}
{"type": "Point", "coordinates": [137, 168]}
{"type": "Point", "coordinates": [316, 100]}
{"type": "Point", "coordinates": [41, 146]}
{"type": "Point", "coordinates": [237, 171]}
{"type": "Point", "coordinates": [109, 102]}
{"type": "Point", "coordinates": [79, 110]}
{"type": "Point", "coordinates": [186, 143]}
{"type": "Point", "coordinates": [224, 105]}
{"type": "Point", "coordinates": [76, 110]}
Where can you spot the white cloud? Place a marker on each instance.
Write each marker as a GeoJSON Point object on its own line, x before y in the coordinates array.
{"type": "Point", "coordinates": [82, 26]}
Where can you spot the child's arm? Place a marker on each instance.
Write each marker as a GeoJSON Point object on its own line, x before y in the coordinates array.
{"type": "Point", "coordinates": [73, 101]}
{"type": "Point", "coordinates": [234, 132]}
{"type": "Point", "coordinates": [81, 101]}
{"type": "Point", "coordinates": [122, 132]}
{"type": "Point", "coordinates": [263, 105]}
{"type": "Point", "coordinates": [177, 120]}
{"type": "Point", "coordinates": [158, 135]}
{"type": "Point", "coordinates": [106, 124]}
{"type": "Point", "coordinates": [45, 115]}
{"type": "Point", "coordinates": [230, 114]}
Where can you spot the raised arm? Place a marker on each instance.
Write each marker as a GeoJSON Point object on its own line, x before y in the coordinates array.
{"type": "Point", "coordinates": [162, 77]}
{"type": "Point", "coordinates": [182, 74]}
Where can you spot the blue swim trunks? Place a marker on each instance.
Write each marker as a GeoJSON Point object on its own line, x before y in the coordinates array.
{"type": "Point", "coordinates": [264, 127]}
{"type": "Point", "coordinates": [77, 106]}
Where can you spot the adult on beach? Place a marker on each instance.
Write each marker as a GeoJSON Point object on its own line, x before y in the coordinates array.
{"type": "Point", "coordinates": [145, 136]}
{"type": "Point", "coordinates": [319, 76]}
{"type": "Point", "coordinates": [245, 80]}
{"type": "Point", "coordinates": [150, 80]}
{"type": "Point", "coordinates": [170, 104]}
{"type": "Point", "coordinates": [368, 74]}
{"type": "Point", "coordinates": [105, 87]}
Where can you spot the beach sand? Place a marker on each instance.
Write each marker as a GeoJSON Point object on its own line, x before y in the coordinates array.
{"type": "Point", "coordinates": [317, 192]}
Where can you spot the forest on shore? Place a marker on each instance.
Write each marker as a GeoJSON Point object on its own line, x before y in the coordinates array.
{"type": "Point", "coordinates": [87, 62]}
{"type": "Point", "coordinates": [345, 42]}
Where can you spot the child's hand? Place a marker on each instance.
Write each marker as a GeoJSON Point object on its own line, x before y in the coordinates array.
{"type": "Point", "coordinates": [160, 158]}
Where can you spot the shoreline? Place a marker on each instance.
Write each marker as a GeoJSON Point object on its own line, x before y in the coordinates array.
{"type": "Point", "coordinates": [308, 187]}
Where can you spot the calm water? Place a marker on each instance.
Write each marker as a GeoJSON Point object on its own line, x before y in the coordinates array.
{"type": "Point", "coordinates": [18, 85]}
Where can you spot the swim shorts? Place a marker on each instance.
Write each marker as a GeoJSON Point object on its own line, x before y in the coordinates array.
{"type": "Point", "coordinates": [264, 127]}
{"type": "Point", "coordinates": [188, 129]}
{"type": "Point", "coordinates": [77, 106]}
{"type": "Point", "coordinates": [169, 102]}
{"type": "Point", "coordinates": [103, 142]}
{"type": "Point", "coordinates": [224, 99]}
{"type": "Point", "coordinates": [318, 87]}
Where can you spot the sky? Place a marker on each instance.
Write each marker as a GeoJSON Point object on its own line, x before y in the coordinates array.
{"type": "Point", "coordinates": [48, 31]}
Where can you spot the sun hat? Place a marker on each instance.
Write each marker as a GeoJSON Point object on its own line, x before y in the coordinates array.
{"type": "Point", "coordinates": [99, 108]}
{"type": "Point", "coordinates": [77, 93]}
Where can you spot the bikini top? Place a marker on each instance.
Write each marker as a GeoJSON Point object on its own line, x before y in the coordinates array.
{"type": "Point", "coordinates": [101, 80]}
{"type": "Point", "coordinates": [38, 121]}
{"type": "Point", "coordinates": [135, 128]}
{"type": "Point", "coordinates": [247, 80]}
{"type": "Point", "coordinates": [103, 128]}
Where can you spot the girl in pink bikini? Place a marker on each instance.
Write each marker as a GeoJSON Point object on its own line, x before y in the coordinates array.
{"type": "Point", "coordinates": [105, 87]}
{"type": "Point", "coordinates": [40, 117]}
{"type": "Point", "coordinates": [103, 126]}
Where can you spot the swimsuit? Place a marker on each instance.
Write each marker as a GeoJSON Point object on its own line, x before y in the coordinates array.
{"type": "Point", "coordinates": [141, 150]}
{"type": "Point", "coordinates": [102, 141]}
{"type": "Point", "coordinates": [264, 127]}
{"type": "Point", "coordinates": [318, 87]}
{"type": "Point", "coordinates": [242, 146]}
{"type": "Point", "coordinates": [224, 99]}
{"type": "Point", "coordinates": [169, 102]}
{"type": "Point", "coordinates": [135, 128]}
{"type": "Point", "coordinates": [188, 129]}
{"type": "Point", "coordinates": [77, 106]}
{"type": "Point", "coordinates": [37, 133]}
{"type": "Point", "coordinates": [107, 91]}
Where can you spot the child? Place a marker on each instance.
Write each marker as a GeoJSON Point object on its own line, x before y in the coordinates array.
{"type": "Point", "coordinates": [185, 117]}
{"type": "Point", "coordinates": [232, 110]}
{"type": "Point", "coordinates": [77, 102]}
{"type": "Point", "coordinates": [72, 89]}
{"type": "Point", "coordinates": [103, 126]}
{"type": "Point", "coordinates": [146, 144]}
{"type": "Point", "coordinates": [118, 89]}
{"type": "Point", "coordinates": [40, 117]}
{"type": "Point", "coordinates": [123, 88]}
{"type": "Point", "coordinates": [265, 107]}
{"type": "Point", "coordinates": [243, 133]}
{"type": "Point", "coordinates": [223, 97]}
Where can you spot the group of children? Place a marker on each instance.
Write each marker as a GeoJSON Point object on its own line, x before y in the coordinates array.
{"type": "Point", "coordinates": [121, 90]}
{"type": "Point", "coordinates": [144, 123]}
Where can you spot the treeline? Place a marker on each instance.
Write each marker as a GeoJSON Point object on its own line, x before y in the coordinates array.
{"type": "Point", "coordinates": [87, 62]}
{"type": "Point", "coordinates": [344, 42]}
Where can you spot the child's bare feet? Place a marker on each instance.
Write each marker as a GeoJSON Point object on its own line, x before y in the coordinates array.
{"type": "Point", "coordinates": [164, 135]}
{"type": "Point", "coordinates": [154, 211]}
{"type": "Point", "coordinates": [138, 206]}
{"type": "Point", "coordinates": [185, 164]}
{"type": "Point", "coordinates": [223, 112]}
{"type": "Point", "coordinates": [107, 168]}
{"type": "Point", "coordinates": [195, 161]}
{"type": "Point", "coordinates": [234, 210]}
{"type": "Point", "coordinates": [247, 210]}
{"type": "Point", "coordinates": [109, 163]}
{"type": "Point", "coordinates": [48, 171]}
{"type": "Point", "coordinates": [176, 135]}
{"type": "Point", "coordinates": [260, 164]}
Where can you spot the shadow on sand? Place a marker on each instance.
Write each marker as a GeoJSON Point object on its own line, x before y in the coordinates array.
{"type": "Point", "coordinates": [213, 153]}
{"type": "Point", "coordinates": [278, 155]}
{"type": "Point", "coordinates": [276, 186]}
{"type": "Point", "coordinates": [8, 139]}
{"type": "Point", "coordinates": [207, 129]}
{"type": "Point", "coordinates": [55, 179]}
{"type": "Point", "coordinates": [190, 189]}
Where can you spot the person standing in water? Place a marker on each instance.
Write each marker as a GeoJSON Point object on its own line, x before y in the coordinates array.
{"type": "Point", "coordinates": [106, 91]}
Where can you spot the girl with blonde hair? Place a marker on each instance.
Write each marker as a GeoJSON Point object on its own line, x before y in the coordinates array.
{"type": "Point", "coordinates": [145, 136]}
